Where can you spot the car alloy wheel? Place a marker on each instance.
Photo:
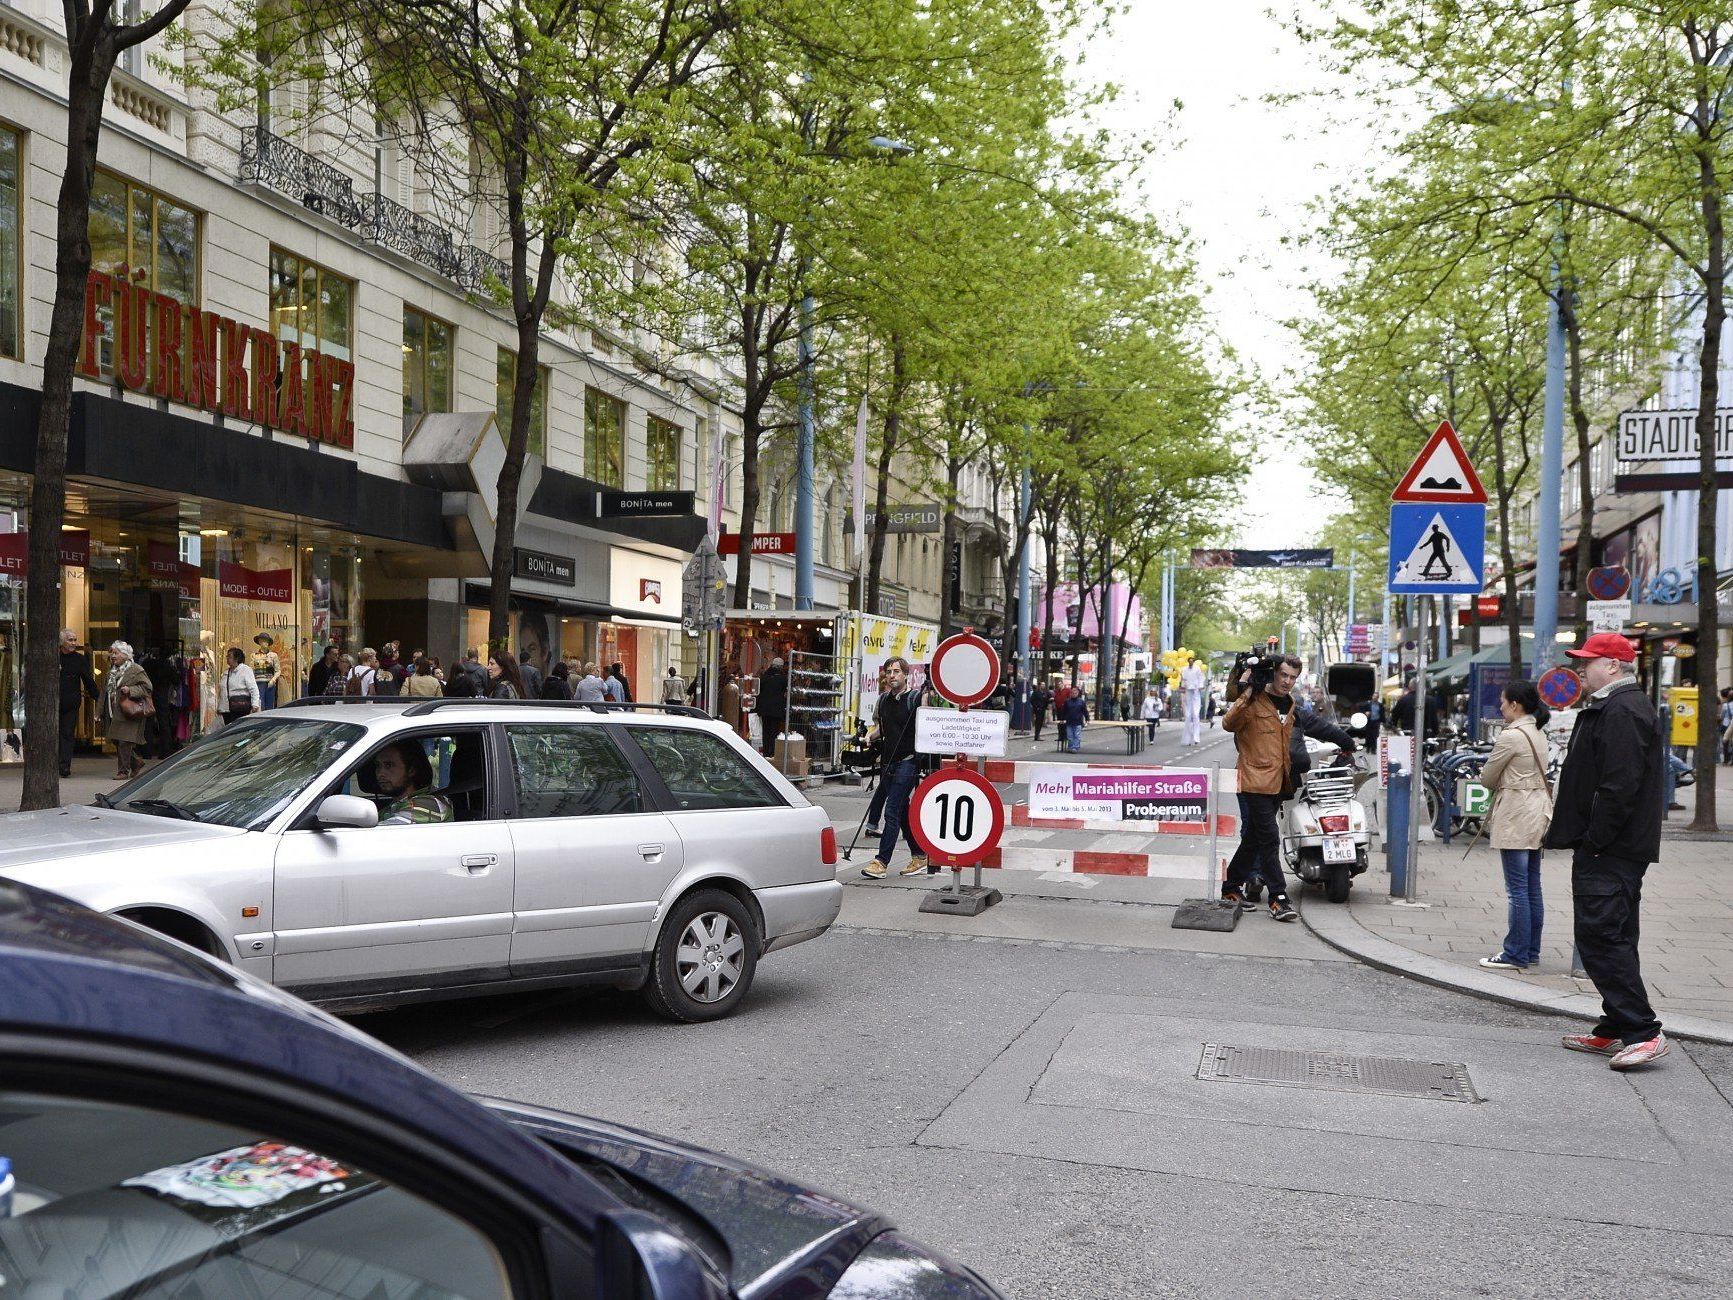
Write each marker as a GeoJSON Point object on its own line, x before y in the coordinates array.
{"type": "Point", "coordinates": [711, 957]}
{"type": "Point", "coordinates": [705, 957]}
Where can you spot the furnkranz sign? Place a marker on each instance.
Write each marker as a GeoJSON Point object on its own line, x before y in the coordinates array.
{"type": "Point", "coordinates": [167, 349]}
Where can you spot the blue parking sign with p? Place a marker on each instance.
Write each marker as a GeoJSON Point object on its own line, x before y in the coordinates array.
{"type": "Point", "coordinates": [1437, 550]}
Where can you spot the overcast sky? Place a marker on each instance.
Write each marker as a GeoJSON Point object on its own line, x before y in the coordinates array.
{"type": "Point", "coordinates": [1239, 173]}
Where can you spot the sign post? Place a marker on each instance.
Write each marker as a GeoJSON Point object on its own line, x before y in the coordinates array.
{"type": "Point", "coordinates": [955, 814]}
{"type": "Point", "coordinates": [1437, 548]}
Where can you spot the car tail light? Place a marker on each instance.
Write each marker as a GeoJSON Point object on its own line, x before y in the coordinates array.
{"type": "Point", "coordinates": [827, 846]}
{"type": "Point", "coordinates": [1334, 823]}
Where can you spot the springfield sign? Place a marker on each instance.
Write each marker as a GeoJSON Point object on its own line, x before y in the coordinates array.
{"type": "Point", "coordinates": [1131, 795]}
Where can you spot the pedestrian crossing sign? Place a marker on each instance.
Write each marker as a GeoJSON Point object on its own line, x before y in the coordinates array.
{"type": "Point", "coordinates": [1436, 550]}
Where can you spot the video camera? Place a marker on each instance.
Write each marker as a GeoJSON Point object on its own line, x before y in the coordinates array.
{"type": "Point", "coordinates": [1262, 660]}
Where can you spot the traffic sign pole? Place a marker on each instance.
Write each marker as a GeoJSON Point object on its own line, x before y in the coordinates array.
{"type": "Point", "coordinates": [1417, 765]}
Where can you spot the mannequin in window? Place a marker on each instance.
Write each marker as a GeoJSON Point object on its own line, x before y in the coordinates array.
{"type": "Point", "coordinates": [267, 668]}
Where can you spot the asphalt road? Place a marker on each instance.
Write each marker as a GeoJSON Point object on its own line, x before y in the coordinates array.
{"type": "Point", "coordinates": [1022, 1090]}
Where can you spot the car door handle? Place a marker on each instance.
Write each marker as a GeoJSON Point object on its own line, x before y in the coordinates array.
{"type": "Point", "coordinates": [479, 862]}
{"type": "Point", "coordinates": [650, 852]}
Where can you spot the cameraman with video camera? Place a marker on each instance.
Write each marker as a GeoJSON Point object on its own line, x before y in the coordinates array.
{"type": "Point", "coordinates": [1263, 720]}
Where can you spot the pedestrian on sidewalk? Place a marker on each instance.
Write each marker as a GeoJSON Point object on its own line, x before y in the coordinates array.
{"type": "Point", "coordinates": [1040, 700]}
{"type": "Point", "coordinates": [1262, 720]}
{"type": "Point", "coordinates": [77, 684]}
{"type": "Point", "coordinates": [1608, 813]}
{"type": "Point", "coordinates": [1194, 684]}
{"type": "Point", "coordinates": [1151, 711]}
{"type": "Point", "coordinates": [590, 688]}
{"type": "Point", "coordinates": [1073, 713]}
{"type": "Point", "coordinates": [1521, 808]}
{"type": "Point", "coordinates": [126, 707]}
{"type": "Point", "coordinates": [673, 687]}
{"type": "Point", "coordinates": [899, 768]}
{"type": "Point", "coordinates": [1726, 722]}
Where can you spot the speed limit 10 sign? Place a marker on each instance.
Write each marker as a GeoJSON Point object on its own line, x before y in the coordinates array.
{"type": "Point", "coordinates": [957, 816]}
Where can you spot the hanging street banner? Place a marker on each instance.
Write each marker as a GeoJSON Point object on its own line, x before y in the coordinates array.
{"type": "Point", "coordinates": [1300, 558]}
{"type": "Point", "coordinates": [1131, 795]}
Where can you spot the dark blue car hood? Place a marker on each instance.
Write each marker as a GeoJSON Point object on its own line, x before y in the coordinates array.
{"type": "Point", "coordinates": [780, 1237]}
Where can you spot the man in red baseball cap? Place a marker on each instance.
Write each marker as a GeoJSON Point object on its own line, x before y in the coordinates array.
{"type": "Point", "coordinates": [1608, 813]}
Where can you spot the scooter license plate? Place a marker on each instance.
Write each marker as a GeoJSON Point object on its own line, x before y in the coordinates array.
{"type": "Point", "coordinates": [1339, 848]}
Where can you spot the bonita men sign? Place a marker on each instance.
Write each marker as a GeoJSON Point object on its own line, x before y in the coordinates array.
{"type": "Point", "coordinates": [167, 349]}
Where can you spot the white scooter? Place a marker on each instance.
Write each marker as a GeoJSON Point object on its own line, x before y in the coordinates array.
{"type": "Point", "coordinates": [1325, 840]}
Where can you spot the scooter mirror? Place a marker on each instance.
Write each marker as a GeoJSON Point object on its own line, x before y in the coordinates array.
{"type": "Point", "coordinates": [1357, 721]}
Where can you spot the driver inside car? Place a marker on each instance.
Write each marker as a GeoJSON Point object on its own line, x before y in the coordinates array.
{"type": "Point", "coordinates": [404, 779]}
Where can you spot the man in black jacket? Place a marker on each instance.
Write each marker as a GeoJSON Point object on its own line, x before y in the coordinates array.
{"type": "Point", "coordinates": [771, 704]}
{"type": "Point", "coordinates": [76, 683]}
{"type": "Point", "coordinates": [1608, 813]}
{"type": "Point", "coordinates": [899, 767]}
{"type": "Point", "coordinates": [1402, 712]}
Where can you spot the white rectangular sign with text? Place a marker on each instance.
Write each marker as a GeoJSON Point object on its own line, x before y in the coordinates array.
{"type": "Point", "coordinates": [979, 732]}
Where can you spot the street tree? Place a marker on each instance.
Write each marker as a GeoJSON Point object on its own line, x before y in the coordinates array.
{"type": "Point", "coordinates": [98, 32]}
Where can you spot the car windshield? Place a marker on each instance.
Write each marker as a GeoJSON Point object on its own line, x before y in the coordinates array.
{"type": "Point", "coordinates": [244, 775]}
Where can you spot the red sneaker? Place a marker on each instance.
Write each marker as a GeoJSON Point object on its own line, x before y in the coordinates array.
{"type": "Point", "coordinates": [1592, 1043]}
{"type": "Point", "coordinates": [1640, 1054]}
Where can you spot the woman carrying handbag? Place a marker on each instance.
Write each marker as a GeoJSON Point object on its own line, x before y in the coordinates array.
{"type": "Point", "coordinates": [240, 689]}
{"type": "Point", "coordinates": [127, 707]}
{"type": "Point", "coordinates": [1521, 811]}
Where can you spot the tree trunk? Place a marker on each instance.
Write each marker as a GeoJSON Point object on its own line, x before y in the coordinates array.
{"type": "Point", "coordinates": [1708, 396]}
{"type": "Point", "coordinates": [950, 597]}
{"type": "Point", "coordinates": [92, 63]}
{"type": "Point", "coordinates": [1050, 546]}
{"type": "Point", "coordinates": [751, 438]}
{"type": "Point", "coordinates": [881, 492]}
{"type": "Point", "coordinates": [529, 303]}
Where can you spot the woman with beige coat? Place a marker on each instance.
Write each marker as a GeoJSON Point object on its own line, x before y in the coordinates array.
{"type": "Point", "coordinates": [1521, 810]}
{"type": "Point", "coordinates": [126, 696]}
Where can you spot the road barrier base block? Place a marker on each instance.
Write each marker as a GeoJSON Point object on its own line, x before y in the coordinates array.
{"type": "Point", "coordinates": [1206, 914]}
{"type": "Point", "coordinates": [970, 900]}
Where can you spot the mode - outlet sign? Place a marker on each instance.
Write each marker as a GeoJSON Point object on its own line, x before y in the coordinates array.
{"type": "Point", "coordinates": [561, 570]}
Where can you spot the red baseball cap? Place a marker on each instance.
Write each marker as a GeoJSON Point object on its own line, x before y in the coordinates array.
{"type": "Point", "coordinates": [1605, 645]}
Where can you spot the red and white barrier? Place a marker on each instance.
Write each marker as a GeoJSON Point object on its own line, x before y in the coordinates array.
{"type": "Point", "coordinates": [1020, 816]}
{"type": "Point", "coordinates": [1020, 857]}
{"type": "Point", "coordinates": [1005, 771]}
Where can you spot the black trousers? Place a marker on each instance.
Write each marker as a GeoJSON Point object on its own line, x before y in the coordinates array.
{"type": "Point", "coordinates": [1259, 852]}
{"type": "Point", "coordinates": [68, 725]}
{"type": "Point", "coordinates": [1608, 894]}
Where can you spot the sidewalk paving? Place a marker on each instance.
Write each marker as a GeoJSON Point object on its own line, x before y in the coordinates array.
{"type": "Point", "coordinates": [1687, 928]}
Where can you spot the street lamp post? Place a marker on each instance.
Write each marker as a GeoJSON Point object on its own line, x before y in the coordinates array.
{"type": "Point", "coordinates": [805, 472]}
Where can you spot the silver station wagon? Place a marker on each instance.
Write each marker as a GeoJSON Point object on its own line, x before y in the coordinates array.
{"type": "Point", "coordinates": [365, 852]}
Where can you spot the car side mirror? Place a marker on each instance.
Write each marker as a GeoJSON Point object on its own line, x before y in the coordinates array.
{"type": "Point", "coordinates": [346, 810]}
{"type": "Point", "coordinates": [1358, 720]}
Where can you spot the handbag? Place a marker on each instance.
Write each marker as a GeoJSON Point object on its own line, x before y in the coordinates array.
{"type": "Point", "coordinates": [1545, 780]}
{"type": "Point", "coordinates": [240, 702]}
{"type": "Point", "coordinates": [131, 708]}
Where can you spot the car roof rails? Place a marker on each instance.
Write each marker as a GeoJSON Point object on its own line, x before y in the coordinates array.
{"type": "Point", "coordinates": [423, 707]}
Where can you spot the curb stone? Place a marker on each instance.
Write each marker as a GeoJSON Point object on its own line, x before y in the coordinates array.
{"type": "Point", "coordinates": [1336, 926]}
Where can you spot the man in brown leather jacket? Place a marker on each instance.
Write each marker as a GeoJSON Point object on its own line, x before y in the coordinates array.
{"type": "Point", "coordinates": [1262, 723]}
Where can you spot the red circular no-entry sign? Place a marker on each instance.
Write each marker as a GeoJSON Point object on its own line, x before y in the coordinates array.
{"type": "Point", "coordinates": [957, 816]}
{"type": "Point", "coordinates": [965, 669]}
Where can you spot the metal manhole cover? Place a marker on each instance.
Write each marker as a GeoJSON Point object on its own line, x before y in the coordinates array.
{"type": "Point", "coordinates": [1288, 1068]}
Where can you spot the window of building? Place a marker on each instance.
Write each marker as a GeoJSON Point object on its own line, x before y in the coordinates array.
{"type": "Point", "coordinates": [11, 268]}
{"type": "Point", "coordinates": [429, 355]}
{"type": "Point", "coordinates": [604, 438]}
{"type": "Point", "coordinates": [662, 440]}
{"type": "Point", "coordinates": [310, 305]}
{"type": "Point", "coordinates": [505, 379]}
{"type": "Point", "coordinates": [147, 238]}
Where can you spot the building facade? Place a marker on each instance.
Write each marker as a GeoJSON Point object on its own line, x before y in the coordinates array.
{"type": "Point", "coordinates": [288, 413]}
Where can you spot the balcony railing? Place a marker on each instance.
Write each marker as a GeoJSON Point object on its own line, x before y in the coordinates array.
{"type": "Point", "coordinates": [273, 162]}
{"type": "Point", "coordinates": [268, 159]}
